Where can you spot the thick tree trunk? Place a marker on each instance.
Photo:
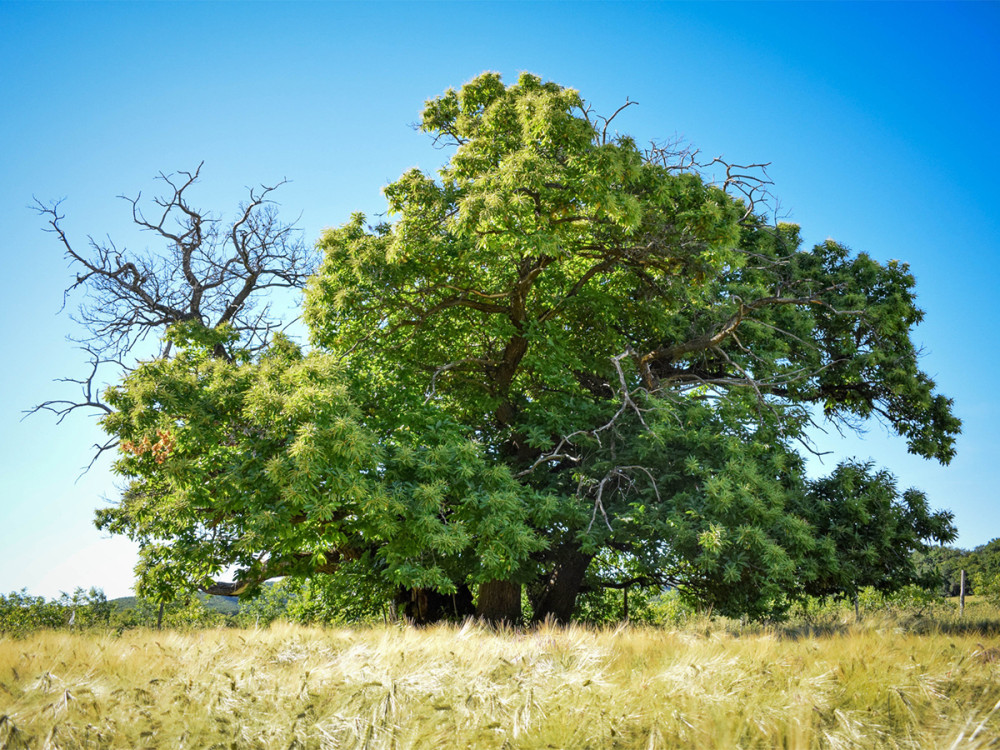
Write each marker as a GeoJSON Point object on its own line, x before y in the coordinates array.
{"type": "Point", "coordinates": [425, 606]}
{"type": "Point", "coordinates": [559, 597]}
{"type": "Point", "coordinates": [499, 602]}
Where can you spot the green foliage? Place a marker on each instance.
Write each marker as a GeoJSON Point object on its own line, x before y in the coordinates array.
{"type": "Point", "coordinates": [988, 586]}
{"type": "Point", "coordinates": [909, 601]}
{"type": "Point", "coordinates": [269, 606]}
{"type": "Point", "coordinates": [231, 458]}
{"type": "Point", "coordinates": [982, 563]}
{"type": "Point", "coordinates": [868, 532]}
{"type": "Point", "coordinates": [88, 608]}
{"type": "Point", "coordinates": [183, 613]}
{"type": "Point", "coordinates": [646, 606]}
{"type": "Point", "coordinates": [947, 564]}
{"type": "Point", "coordinates": [355, 595]}
{"type": "Point", "coordinates": [21, 612]}
{"type": "Point", "coordinates": [911, 598]}
{"type": "Point", "coordinates": [983, 568]}
{"type": "Point", "coordinates": [562, 352]}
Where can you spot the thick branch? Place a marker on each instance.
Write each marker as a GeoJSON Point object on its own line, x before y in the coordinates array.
{"type": "Point", "coordinates": [663, 357]}
{"type": "Point", "coordinates": [276, 569]}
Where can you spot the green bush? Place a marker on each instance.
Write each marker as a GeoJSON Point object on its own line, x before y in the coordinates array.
{"type": "Point", "coordinates": [269, 605]}
{"type": "Point", "coordinates": [21, 613]}
{"type": "Point", "coordinates": [354, 596]}
{"type": "Point", "coordinates": [185, 614]}
{"type": "Point", "coordinates": [987, 585]}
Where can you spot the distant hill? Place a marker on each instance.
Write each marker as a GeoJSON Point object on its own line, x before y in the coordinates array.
{"type": "Point", "coordinates": [226, 605]}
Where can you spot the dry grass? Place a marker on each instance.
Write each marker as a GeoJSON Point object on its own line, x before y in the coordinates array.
{"type": "Point", "coordinates": [868, 686]}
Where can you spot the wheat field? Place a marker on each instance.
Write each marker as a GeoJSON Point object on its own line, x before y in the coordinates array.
{"type": "Point", "coordinates": [871, 685]}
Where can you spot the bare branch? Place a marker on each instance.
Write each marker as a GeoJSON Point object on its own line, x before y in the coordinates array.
{"type": "Point", "coordinates": [560, 453]}
{"type": "Point", "coordinates": [608, 120]}
{"type": "Point", "coordinates": [89, 399]}
{"type": "Point", "coordinates": [431, 391]}
{"type": "Point", "coordinates": [205, 272]}
{"type": "Point", "coordinates": [750, 182]}
{"type": "Point", "coordinates": [621, 474]}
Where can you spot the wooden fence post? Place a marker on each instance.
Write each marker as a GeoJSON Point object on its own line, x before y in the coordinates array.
{"type": "Point", "coordinates": [961, 596]}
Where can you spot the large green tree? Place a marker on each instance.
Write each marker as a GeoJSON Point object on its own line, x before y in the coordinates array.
{"type": "Point", "coordinates": [560, 346]}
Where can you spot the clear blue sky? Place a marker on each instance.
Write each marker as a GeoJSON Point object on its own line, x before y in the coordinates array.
{"type": "Point", "coordinates": [880, 120]}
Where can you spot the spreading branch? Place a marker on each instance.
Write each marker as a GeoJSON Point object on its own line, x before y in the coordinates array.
{"type": "Point", "coordinates": [276, 568]}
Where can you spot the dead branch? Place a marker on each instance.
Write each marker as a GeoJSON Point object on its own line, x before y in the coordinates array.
{"type": "Point", "coordinates": [619, 473]}
{"type": "Point", "coordinates": [608, 120]}
{"type": "Point", "coordinates": [205, 271]}
{"type": "Point", "coordinates": [89, 399]}
{"type": "Point", "coordinates": [627, 403]}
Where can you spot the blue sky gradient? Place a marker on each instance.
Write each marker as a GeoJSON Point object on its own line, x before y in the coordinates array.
{"type": "Point", "coordinates": [880, 122]}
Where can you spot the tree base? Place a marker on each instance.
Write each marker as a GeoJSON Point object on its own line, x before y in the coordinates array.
{"type": "Point", "coordinates": [499, 602]}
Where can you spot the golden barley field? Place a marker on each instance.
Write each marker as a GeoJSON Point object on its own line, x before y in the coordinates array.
{"type": "Point", "coordinates": [867, 685]}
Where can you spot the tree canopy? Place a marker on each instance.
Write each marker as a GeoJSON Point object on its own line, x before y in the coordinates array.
{"type": "Point", "coordinates": [560, 347]}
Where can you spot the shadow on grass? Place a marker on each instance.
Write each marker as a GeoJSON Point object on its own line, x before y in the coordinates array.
{"type": "Point", "coordinates": [929, 625]}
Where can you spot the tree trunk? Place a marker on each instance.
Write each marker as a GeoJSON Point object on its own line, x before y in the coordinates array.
{"type": "Point", "coordinates": [499, 602]}
{"type": "Point", "coordinates": [559, 597]}
{"type": "Point", "coordinates": [426, 606]}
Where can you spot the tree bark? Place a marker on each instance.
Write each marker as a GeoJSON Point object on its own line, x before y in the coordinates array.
{"type": "Point", "coordinates": [426, 606]}
{"type": "Point", "coordinates": [499, 602]}
{"type": "Point", "coordinates": [558, 600]}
